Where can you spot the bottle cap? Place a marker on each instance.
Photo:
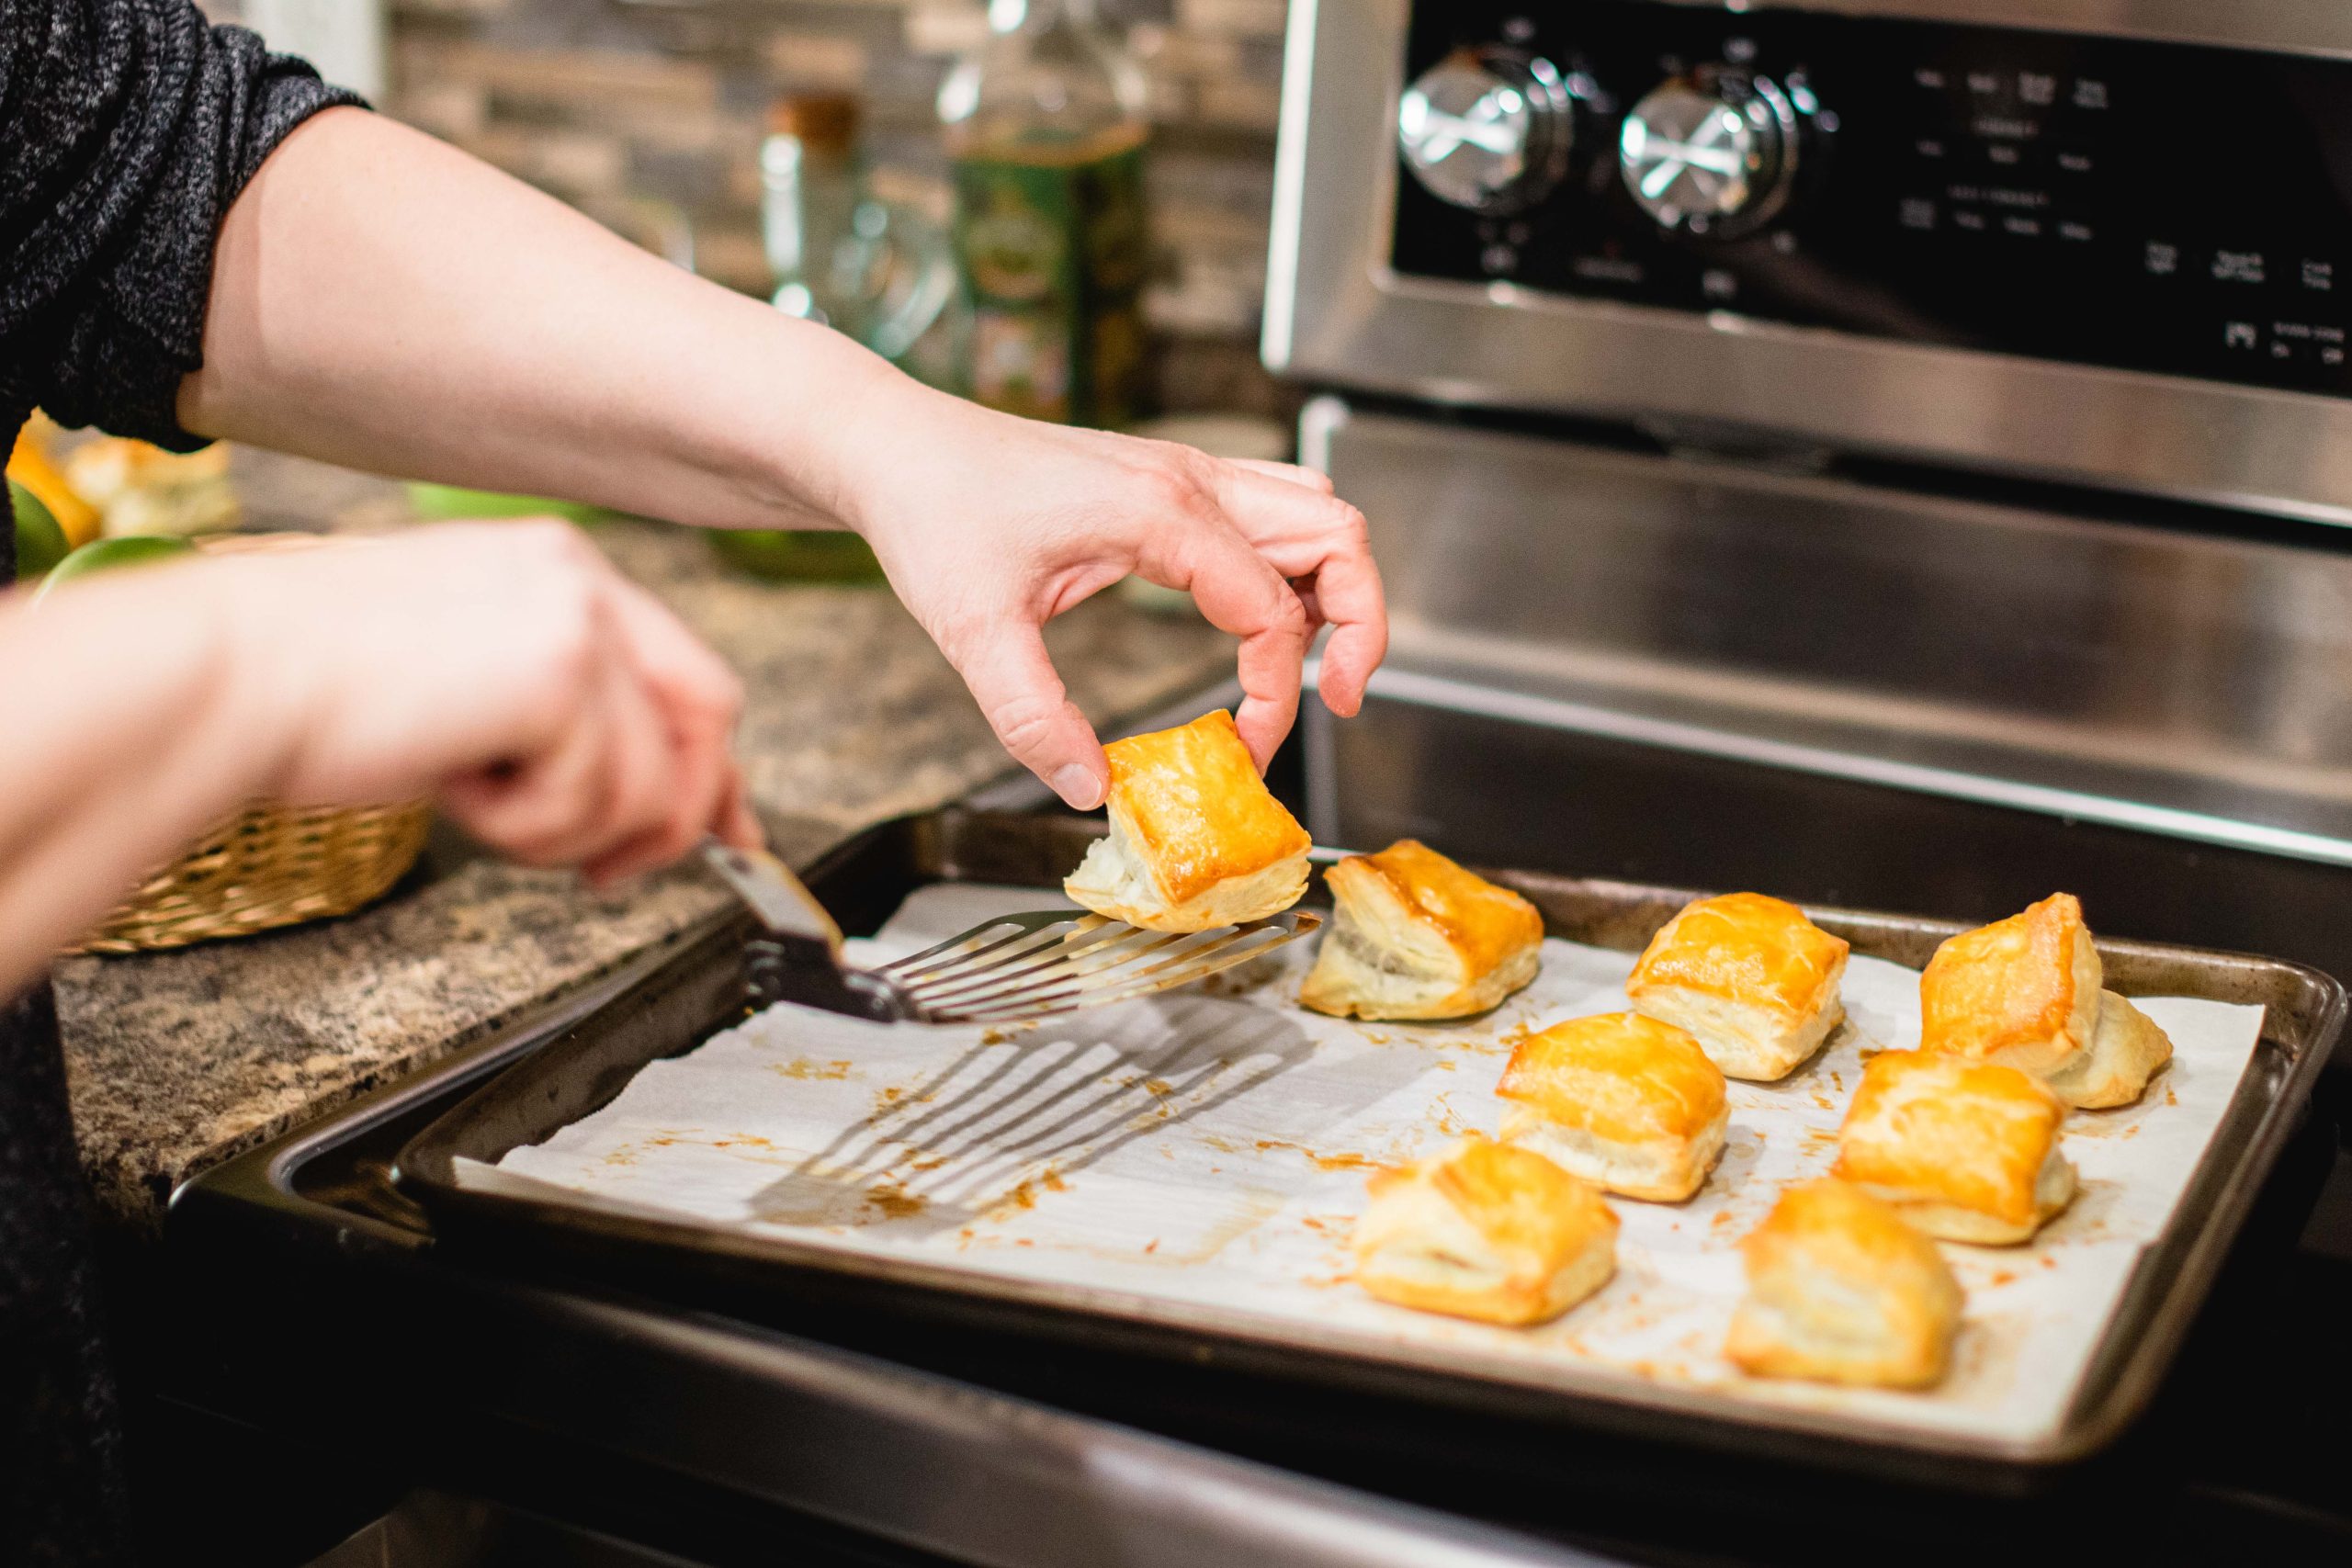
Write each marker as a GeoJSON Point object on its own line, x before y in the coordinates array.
{"type": "Point", "coordinates": [822, 122]}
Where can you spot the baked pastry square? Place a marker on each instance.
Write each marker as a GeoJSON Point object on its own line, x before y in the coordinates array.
{"type": "Point", "coordinates": [1963, 1150]}
{"type": "Point", "coordinates": [1415, 936]}
{"type": "Point", "coordinates": [1196, 839]}
{"type": "Point", "coordinates": [1750, 976]}
{"type": "Point", "coordinates": [1619, 1100]}
{"type": "Point", "coordinates": [2127, 1050]}
{"type": "Point", "coordinates": [2023, 992]}
{"type": "Point", "coordinates": [1485, 1231]}
{"type": "Point", "coordinates": [1839, 1290]}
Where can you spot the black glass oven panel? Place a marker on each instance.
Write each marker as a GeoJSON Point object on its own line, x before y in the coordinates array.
{"type": "Point", "coordinates": [2144, 206]}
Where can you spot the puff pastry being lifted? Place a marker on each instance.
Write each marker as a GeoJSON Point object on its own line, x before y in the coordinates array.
{"type": "Point", "coordinates": [2028, 992]}
{"type": "Point", "coordinates": [1196, 838]}
{"type": "Point", "coordinates": [1415, 936]}
{"type": "Point", "coordinates": [1840, 1289]}
{"type": "Point", "coordinates": [1967, 1151]}
{"type": "Point", "coordinates": [1749, 976]}
{"type": "Point", "coordinates": [1487, 1231]}
{"type": "Point", "coordinates": [1621, 1100]}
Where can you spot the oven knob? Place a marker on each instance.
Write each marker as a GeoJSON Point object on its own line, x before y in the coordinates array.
{"type": "Point", "coordinates": [1714, 152]}
{"type": "Point", "coordinates": [1486, 128]}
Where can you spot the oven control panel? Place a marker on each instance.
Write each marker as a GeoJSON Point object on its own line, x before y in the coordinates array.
{"type": "Point", "coordinates": [2146, 206]}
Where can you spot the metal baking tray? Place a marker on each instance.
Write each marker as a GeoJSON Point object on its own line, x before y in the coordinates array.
{"type": "Point", "coordinates": [701, 991]}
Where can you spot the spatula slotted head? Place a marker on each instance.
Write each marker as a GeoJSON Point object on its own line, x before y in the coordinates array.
{"type": "Point", "coordinates": [1018, 967]}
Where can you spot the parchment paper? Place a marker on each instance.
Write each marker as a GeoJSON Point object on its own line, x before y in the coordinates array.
{"type": "Point", "coordinates": [1211, 1147]}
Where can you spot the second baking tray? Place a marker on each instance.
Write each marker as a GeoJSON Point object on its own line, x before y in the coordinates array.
{"type": "Point", "coordinates": [699, 992]}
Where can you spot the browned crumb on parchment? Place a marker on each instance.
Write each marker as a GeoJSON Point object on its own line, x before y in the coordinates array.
{"type": "Point", "coordinates": [810, 1067]}
{"type": "Point", "coordinates": [897, 1097]}
{"type": "Point", "coordinates": [895, 1201]}
{"type": "Point", "coordinates": [1322, 1161]}
{"type": "Point", "coordinates": [1023, 1196]}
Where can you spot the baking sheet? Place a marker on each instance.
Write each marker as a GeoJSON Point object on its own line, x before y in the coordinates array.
{"type": "Point", "coordinates": [1211, 1147]}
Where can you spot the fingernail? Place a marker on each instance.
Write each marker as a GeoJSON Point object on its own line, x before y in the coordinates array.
{"type": "Point", "coordinates": [1078, 786]}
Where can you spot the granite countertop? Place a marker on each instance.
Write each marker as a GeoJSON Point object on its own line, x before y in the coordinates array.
{"type": "Point", "coordinates": [179, 1060]}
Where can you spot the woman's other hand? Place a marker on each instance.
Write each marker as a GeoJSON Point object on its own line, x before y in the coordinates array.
{"type": "Point", "coordinates": [553, 708]}
{"type": "Point", "coordinates": [990, 525]}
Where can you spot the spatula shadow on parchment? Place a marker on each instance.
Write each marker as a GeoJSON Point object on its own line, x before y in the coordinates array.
{"type": "Point", "coordinates": [948, 1152]}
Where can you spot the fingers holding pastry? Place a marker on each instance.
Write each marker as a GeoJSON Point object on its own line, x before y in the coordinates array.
{"type": "Point", "coordinates": [1239, 591]}
{"type": "Point", "coordinates": [1012, 678]}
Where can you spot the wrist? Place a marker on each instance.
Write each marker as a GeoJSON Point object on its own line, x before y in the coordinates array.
{"type": "Point", "coordinates": [812, 425]}
{"type": "Point", "coordinates": [248, 670]}
{"type": "Point", "coordinates": [871, 429]}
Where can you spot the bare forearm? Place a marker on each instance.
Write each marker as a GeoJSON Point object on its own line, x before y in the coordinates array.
{"type": "Point", "coordinates": [387, 302]}
{"type": "Point", "coordinates": [126, 736]}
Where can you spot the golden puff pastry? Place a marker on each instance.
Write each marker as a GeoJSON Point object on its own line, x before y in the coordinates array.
{"type": "Point", "coordinates": [2023, 992]}
{"type": "Point", "coordinates": [1196, 839]}
{"type": "Point", "coordinates": [1415, 936]}
{"type": "Point", "coordinates": [2127, 1050]}
{"type": "Point", "coordinates": [1839, 1290]}
{"type": "Point", "coordinates": [1621, 1100]}
{"type": "Point", "coordinates": [1487, 1231]}
{"type": "Point", "coordinates": [1967, 1151]}
{"type": "Point", "coordinates": [1749, 976]}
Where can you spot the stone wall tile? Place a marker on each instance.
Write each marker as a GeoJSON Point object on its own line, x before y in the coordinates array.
{"type": "Point", "coordinates": [599, 102]}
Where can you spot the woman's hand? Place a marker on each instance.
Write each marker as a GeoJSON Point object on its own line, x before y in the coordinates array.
{"type": "Point", "coordinates": [555, 709]}
{"type": "Point", "coordinates": [990, 525]}
{"type": "Point", "coordinates": [551, 707]}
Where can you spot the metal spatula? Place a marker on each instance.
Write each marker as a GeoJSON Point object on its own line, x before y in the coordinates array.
{"type": "Point", "coordinates": [1004, 971]}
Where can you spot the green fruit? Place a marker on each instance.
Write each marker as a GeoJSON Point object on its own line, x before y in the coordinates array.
{"type": "Point", "coordinates": [40, 543]}
{"type": "Point", "coordinates": [434, 503]}
{"type": "Point", "coordinates": [815, 556]}
{"type": "Point", "coordinates": [113, 555]}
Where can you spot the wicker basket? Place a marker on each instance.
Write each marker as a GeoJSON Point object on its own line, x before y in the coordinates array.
{"type": "Point", "coordinates": [268, 865]}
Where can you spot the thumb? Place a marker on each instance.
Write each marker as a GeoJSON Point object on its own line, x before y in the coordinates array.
{"type": "Point", "coordinates": [1012, 679]}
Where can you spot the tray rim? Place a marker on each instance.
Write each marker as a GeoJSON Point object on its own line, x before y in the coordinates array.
{"type": "Point", "coordinates": [2135, 1350]}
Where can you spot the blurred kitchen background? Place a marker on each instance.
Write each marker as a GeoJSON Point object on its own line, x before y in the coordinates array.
{"type": "Point", "coordinates": [650, 113]}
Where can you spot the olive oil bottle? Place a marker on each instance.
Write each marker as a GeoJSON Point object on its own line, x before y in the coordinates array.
{"type": "Point", "coordinates": [1046, 132]}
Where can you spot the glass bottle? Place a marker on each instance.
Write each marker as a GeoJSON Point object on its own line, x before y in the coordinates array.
{"type": "Point", "coordinates": [809, 188]}
{"type": "Point", "coordinates": [877, 271]}
{"type": "Point", "coordinates": [1045, 130]}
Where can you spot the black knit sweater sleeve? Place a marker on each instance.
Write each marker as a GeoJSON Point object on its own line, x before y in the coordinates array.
{"type": "Point", "coordinates": [127, 128]}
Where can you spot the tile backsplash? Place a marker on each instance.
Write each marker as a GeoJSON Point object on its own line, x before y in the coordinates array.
{"type": "Point", "coordinates": [633, 105]}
